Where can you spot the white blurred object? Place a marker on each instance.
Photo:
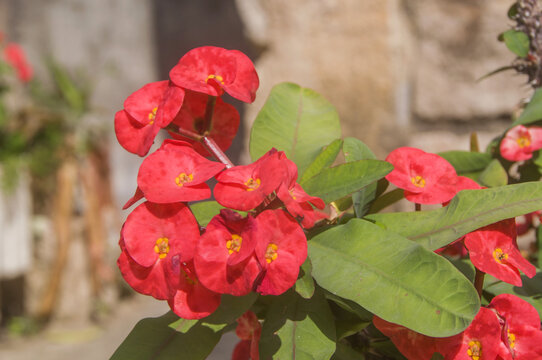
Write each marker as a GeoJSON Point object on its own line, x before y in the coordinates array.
{"type": "Point", "coordinates": [15, 229]}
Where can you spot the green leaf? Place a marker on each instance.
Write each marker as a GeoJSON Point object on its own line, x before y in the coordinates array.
{"type": "Point", "coordinates": [296, 328]}
{"type": "Point", "coordinates": [466, 162]}
{"type": "Point", "coordinates": [517, 42]}
{"type": "Point", "coordinates": [324, 160]}
{"type": "Point", "coordinates": [531, 291]}
{"type": "Point", "coordinates": [304, 286]}
{"type": "Point", "coordinates": [345, 352]}
{"type": "Point", "coordinates": [469, 210]}
{"type": "Point", "coordinates": [153, 339]}
{"type": "Point", "coordinates": [533, 110]}
{"type": "Point", "coordinates": [205, 210]}
{"type": "Point", "coordinates": [354, 150]}
{"type": "Point", "coordinates": [341, 180]}
{"type": "Point", "coordinates": [394, 278]}
{"type": "Point", "coordinates": [493, 175]}
{"type": "Point", "coordinates": [296, 120]}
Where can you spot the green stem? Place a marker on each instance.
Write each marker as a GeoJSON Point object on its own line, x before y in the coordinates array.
{"type": "Point", "coordinates": [209, 110]}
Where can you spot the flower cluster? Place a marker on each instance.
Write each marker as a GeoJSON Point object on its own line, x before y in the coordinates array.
{"type": "Point", "coordinates": [257, 242]}
{"type": "Point", "coordinates": [14, 55]}
{"type": "Point", "coordinates": [508, 328]}
{"type": "Point", "coordinates": [430, 179]}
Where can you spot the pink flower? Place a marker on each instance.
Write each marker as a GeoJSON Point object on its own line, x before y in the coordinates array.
{"type": "Point", "coordinates": [146, 111]}
{"type": "Point", "coordinates": [281, 249]}
{"type": "Point", "coordinates": [225, 260]}
{"type": "Point", "coordinates": [426, 178]}
{"type": "Point", "coordinates": [175, 172]}
{"type": "Point", "coordinates": [520, 142]}
{"type": "Point", "coordinates": [16, 57]}
{"type": "Point", "coordinates": [212, 70]}
{"type": "Point", "coordinates": [493, 250]}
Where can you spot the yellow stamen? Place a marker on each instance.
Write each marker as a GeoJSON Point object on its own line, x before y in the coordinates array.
{"type": "Point", "coordinates": [524, 141]}
{"type": "Point", "coordinates": [162, 247]}
{"type": "Point", "coordinates": [152, 115]}
{"type": "Point", "coordinates": [253, 184]}
{"type": "Point", "coordinates": [183, 179]}
{"type": "Point", "coordinates": [234, 244]}
{"type": "Point", "coordinates": [418, 181]}
{"type": "Point", "coordinates": [475, 350]}
{"type": "Point", "coordinates": [218, 78]}
{"type": "Point", "coordinates": [511, 339]}
{"type": "Point", "coordinates": [271, 253]}
{"type": "Point", "coordinates": [499, 255]}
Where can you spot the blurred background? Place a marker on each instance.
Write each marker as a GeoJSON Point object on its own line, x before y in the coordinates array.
{"type": "Point", "coordinates": [400, 72]}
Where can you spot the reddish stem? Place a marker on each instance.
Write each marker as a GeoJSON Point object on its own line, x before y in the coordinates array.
{"type": "Point", "coordinates": [479, 282]}
{"type": "Point", "coordinates": [417, 207]}
{"type": "Point", "coordinates": [214, 149]}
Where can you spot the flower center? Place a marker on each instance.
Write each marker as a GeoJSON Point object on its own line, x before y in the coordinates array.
{"type": "Point", "coordinates": [524, 141]}
{"type": "Point", "coordinates": [152, 115]}
{"type": "Point", "coordinates": [292, 194]}
{"type": "Point", "coordinates": [475, 350]}
{"type": "Point", "coordinates": [218, 78]}
{"type": "Point", "coordinates": [234, 244]}
{"type": "Point", "coordinates": [252, 184]}
{"type": "Point", "coordinates": [271, 253]}
{"type": "Point", "coordinates": [183, 179]}
{"type": "Point", "coordinates": [499, 255]}
{"type": "Point", "coordinates": [511, 339]}
{"type": "Point", "coordinates": [418, 181]}
{"type": "Point", "coordinates": [162, 247]}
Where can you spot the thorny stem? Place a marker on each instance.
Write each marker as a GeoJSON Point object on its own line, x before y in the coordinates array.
{"type": "Point", "coordinates": [479, 282]}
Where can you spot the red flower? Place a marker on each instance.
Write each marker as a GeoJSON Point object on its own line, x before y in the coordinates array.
{"type": "Point", "coordinates": [493, 250]}
{"type": "Point", "coordinates": [175, 172]}
{"type": "Point", "coordinates": [281, 249]}
{"type": "Point", "coordinates": [210, 70]}
{"type": "Point", "coordinates": [410, 343]}
{"type": "Point", "coordinates": [249, 330]}
{"type": "Point", "coordinates": [151, 235]}
{"type": "Point", "coordinates": [520, 142]}
{"type": "Point", "coordinates": [191, 299]}
{"type": "Point", "coordinates": [16, 57]}
{"type": "Point", "coordinates": [297, 201]}
{"type": "Point", "coordinates": [426, 178]}
{"type": "Point", "coordinates": [245, 187]}
{"type": "Point", "coordinates": [223, 126]}
{"type": "Point", "coordinates": [521, 335]}
{"type": "Point", "coordinates": [145, 112]}
{"type": "Point", "coordinates": [480, 341]}
{"type": "Point", "coordinates": [225, 260]}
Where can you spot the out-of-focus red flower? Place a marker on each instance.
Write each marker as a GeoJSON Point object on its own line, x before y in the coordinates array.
{"type": "Point", "coordinates": [521, 335]}
{"type": "Point", "coordinates": [426, 178]}
{"type": "Point", "coordinates": [15, 56]}
{"type": "Point", "coordinates": [410, 343]}
{"type": "Point", "coordinates": [191, 300]}
{"type": "Point", "coordinates": [281, 249]}
{"type": "Point", "coordinates": [297, 201]}
{"type": "Point", "coordinates": [150, 237]}
{"type": "Point", "coordinates": [249, 330]}
{"type": "Point", "coordinates": [247, 186]}
{"type": "Point", "coordinates": [146, 111]}
{"type": "Point", "coordinates": [211, 70]}
{"type": "Point", "coordinates": [493, 250]}
{"type": "Point", "coordinates": [520, 142]}
{"type": "Point", "coordinates": [225, 260]}
{"type": "Point", "coordinates": [222, 128]}
{"type": "Point", "coordinates": [175, 172]}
